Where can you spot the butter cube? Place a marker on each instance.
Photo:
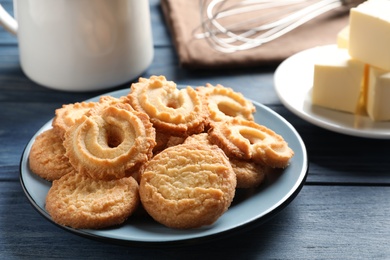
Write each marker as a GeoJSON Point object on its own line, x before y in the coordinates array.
{"type": "Point", "coordinates": [369, 36]}
{"type": "Point", "coordinates": [343, 38]}
{"type": "Point", "coordinates": [338, 80]}
{"type": "Point", "coordinates": [378, 94]}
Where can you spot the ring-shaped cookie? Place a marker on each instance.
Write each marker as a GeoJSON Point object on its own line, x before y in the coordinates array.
{"type": "Point", "coordinates": [251, 141]}
{"type": "Point", "coordinates": [224, 103]}
{"type": "Point", "coordinates": [172, 111]}
{"type": "Point", "coordinates": [108, 145]}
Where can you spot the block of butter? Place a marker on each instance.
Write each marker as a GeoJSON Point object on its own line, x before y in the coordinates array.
{"type": "Point", "coordinates": [338, 80]}
{"type": "Point", "coordinates": [343, 38]}
{"type": "Point", "coordinates": [378, 94]}
{"type": "Point", "coordinates": [369, 35]}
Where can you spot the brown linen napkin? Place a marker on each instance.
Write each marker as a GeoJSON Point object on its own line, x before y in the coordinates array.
{"type": "Point", "coordinates": [183, 17]}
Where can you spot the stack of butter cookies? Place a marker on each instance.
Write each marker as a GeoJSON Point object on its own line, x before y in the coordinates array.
{"type": "Point", "coordinates": [180, 154]}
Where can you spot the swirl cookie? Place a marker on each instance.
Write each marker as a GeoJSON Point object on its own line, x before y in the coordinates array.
{"type": "Point", "coordinates": [187, 186]}
{"type": "Point", "coordinates": [109, 144]}
{"type": "Point", "coordinates": [77, 201]}
{"type": "Point", "coordinates": [172, 111]}
{"type": "Point", "coordinates": [250, 141]}
{"type": "Point", "coordinates": [224, 103]}
{"type": "Point", "coordinates": [248, 174]}
{"type": "Point", "coordinates": [47, 156]}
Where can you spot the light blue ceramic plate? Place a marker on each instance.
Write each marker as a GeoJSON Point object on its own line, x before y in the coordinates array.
{"type": "Point", "coordinates": [248, 209]}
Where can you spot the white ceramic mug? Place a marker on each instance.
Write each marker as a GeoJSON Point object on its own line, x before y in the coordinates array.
{"type": "Point", "coordinates": [81, 45]}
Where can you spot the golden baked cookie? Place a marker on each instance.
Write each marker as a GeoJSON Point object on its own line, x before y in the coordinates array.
{"type": "Point", "coordinates": [164, 141]}
{"type": "Point", "coordinates": [187, 186]}
{"type": "Point", "coordinates": [110, 100]}
{"type": "Point", "coordinates": [161, 142]}
{"type": "Point", "coordinates": [77, 201]}
{"type": "Point", "coordinates": [250, 141]}
{"type": "Point", "coordinates": [202, 138]}
{"type": "Point", "coordinates": [66, 116]}
{"type": "Point", "coordinates": [47, 156]}
{"type": "Point", "coordinates": [106, 101]}
{"type": "Point", "coordinates": [175, 140]}
{"type": "Point", "coordinates": [110, 144]}
{"type": "Point", "coordinates": [224, 103]}
{"type": "Point", "coordinates": [248, 173]}
{"type": "Point", "coordinates": [172, 111]}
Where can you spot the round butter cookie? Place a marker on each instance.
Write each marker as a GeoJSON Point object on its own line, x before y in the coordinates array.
{"type": "Point", "coordinates": [248, 140]}
{"type": "Point", "coordinates": [172, 111]}
{"type": "Point", "coordinates": [77, 201]}
{"type": "Point", "coordinates": [66, 116]}
{"type": "Point", "coordinates": [161, 142]}
{"type": "Point", "coordinates": [47, 156]}
{"type": "Point", "coordinates": [106, 101]}
{"type": "Point", "coordinates": [224, 103]}
{"type": "Point", "coordinates": [187, 186]}
{"type": "Point", "coordinates": [249, 174]}
{"type": "Point", "coordinates": [110, 144]}
{"type": "Point", "coordinates": [164, 141]}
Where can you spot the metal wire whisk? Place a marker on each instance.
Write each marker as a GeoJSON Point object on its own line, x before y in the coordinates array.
{"type": "Point", "coordinates": [261, 21]}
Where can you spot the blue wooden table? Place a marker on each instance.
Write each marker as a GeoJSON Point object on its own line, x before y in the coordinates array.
{"type": "Point", "coordinates": [342, 211]}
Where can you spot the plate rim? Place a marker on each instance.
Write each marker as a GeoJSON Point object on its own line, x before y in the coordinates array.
{"type": "Point", "coordinates": [325, 124]}
{"type": "Point", "coordinates": [250, 223]}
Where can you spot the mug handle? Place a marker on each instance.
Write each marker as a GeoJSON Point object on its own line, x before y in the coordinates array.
{"type": "Point", "coordinates": [7, 21]}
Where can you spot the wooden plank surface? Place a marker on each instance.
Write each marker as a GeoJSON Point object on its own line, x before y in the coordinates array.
{"type": "Point", "coordinates": [323, 222]}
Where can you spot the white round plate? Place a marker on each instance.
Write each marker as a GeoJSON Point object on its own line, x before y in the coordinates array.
{"type": "Point", "coordinates": [248, 207]}
{"type": "Point", "coordinates": [293, 83]}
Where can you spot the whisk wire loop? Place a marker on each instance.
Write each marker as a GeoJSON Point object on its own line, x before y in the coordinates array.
{"type": "Point", "coordinates": [277, 18]}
